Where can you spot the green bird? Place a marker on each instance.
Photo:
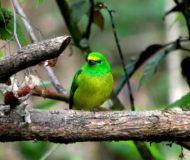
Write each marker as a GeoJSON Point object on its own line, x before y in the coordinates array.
{"type": "Point", "coordinates": [92, 84]}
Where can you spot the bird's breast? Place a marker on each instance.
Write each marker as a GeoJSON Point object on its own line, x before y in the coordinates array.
{"type": "Point", "coordinates": [92, 91]}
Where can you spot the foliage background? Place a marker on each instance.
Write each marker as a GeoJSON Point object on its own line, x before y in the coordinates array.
{"type": "Point", "coordinates": [139, 24]}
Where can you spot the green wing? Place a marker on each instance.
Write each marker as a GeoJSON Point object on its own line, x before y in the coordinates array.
{"type": "Point", "coordinates": [74, 86]}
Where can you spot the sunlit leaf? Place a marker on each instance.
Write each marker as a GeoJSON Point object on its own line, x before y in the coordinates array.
{"type": "Point", "coordinates": [155, 151]}
{"type": "Point", "coordinates": [31, 150]}
{"type": "Point", "coordinates": [128, 150]}
{"type": "Point", "coordinates": [47, 104]}
{"type": "Point", "coordinates": [7, 27]}
{"type": "Point", "coordinates": [183, 102]}
{"type": "Point", "coordinates": [5, 19]}
{"type": "Point", "coordinates": [123, 150]}
{"type": "Point", "coordinates": [39, 2]}
{"type": "Point", "coordinates": [78, 9]}
{"type": "Point", "coordinates": [2, 54]}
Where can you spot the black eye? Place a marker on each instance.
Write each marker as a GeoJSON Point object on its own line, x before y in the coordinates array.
{"type": "Point", "coordinates": [99, 61]}
{"type": "Point", "coordinates": [93, 62]}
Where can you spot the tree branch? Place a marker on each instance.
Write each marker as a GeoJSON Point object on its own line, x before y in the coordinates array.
{"type": "Point", "coordinates": [31, 55]}
{"type": "Point", "coordinates": [50, 94]}
{"type": "Point", "coordinates": [25, 20]}
{"type": "Point", "coordinates": [67, 126]}
{"type": "Point", "coordinates": [55, 82]}
{"type": "Point", "coordinates": [74, 30]}
{"type": "Point", "coordinates": [90, 20]}
{"type": "Point", "coordinates": [134, 65]}
{"type": "Point", "coordinates": [131, 98]}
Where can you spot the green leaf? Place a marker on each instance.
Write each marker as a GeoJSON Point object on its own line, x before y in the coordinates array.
{"type": "Point", "coordinates": [78, 9]}
{"type": "Point", "coordinates": [5, 18]}
{"type": "Point", "coordinates": [50, 152]}
{"type": "Point", "coordinates": [47, 104]}
{"type": "Point", "coordinates": [39, 2]}
{"type": "Point", "coordinates": [21, 34]}
{"type": "Point", "coordinates": [2, 54]}
{"type": "Point", "coordinates": [123, 150]}
{"type": "Point", "coordinates": [151, 67]}
{"type": "Point", "coordinates": [128, 150]}
{"type": "Point", "coordinates": [155, 151]}
{"type": "Point", "coordinates": [136, 62]}
{"type": "Point", "coordinates": [7, 27]}
{"type": "Point", "coordinates": [31, 150]}
{"type": "Point", "coordinates": [183, 102]}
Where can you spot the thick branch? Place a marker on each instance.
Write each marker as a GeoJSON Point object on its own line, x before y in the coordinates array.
{"type": "Point", "coordinates": [66, 126]}
{"type": "Point", "coordinates": [31, 55]}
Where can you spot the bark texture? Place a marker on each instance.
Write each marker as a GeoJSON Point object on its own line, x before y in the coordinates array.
{"type": "Point", "coordinates": [31, 55]}
{"type": "Point", "coordinates": [67, 126]}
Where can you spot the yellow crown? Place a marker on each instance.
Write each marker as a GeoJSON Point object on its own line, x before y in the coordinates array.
{"type": "Point", "coordinates": [93, 58]}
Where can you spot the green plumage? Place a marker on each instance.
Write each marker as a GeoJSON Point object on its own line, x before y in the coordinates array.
{"type": "Point", "coordinates": [92, 84]}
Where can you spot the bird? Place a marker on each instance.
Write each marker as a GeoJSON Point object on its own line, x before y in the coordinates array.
{"type": "Point", "coordinates": [92, 84]}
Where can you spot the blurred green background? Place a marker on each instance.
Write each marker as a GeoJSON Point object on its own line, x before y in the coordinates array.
{"type": "Point", "coordinates": [139, 23]}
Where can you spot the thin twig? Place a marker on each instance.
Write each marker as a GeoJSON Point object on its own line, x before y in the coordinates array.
{"type": "Point", "coordinates": [50, 94]}
{"type": "Point", "coordinates": [32, 26]}
{"type": "Point", "coordinates": [50, 152]}
{"type": "Point", "coordinates": [15, 26]}
{"type": "Point", "coordinates": [27, 71]}
{"type": "Point", "coordinates": [122, 59]}
{"type": "Point", "coordinates": [55, 82]}
{"type": "Point", "coordinates": [186, 13]}
{"type": "Point", "coordinates": [90, 21]}
{"type": "Point", "coordinates": [74, 30]}
{"type": "Point", "coordinates": [142, 59]}
{"type": "Point", "coordinates": [177, 2]}
{"type": "Point", "coordinates": [25, 20]}
{"type": "Point", "coordinates": [57, 85]}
